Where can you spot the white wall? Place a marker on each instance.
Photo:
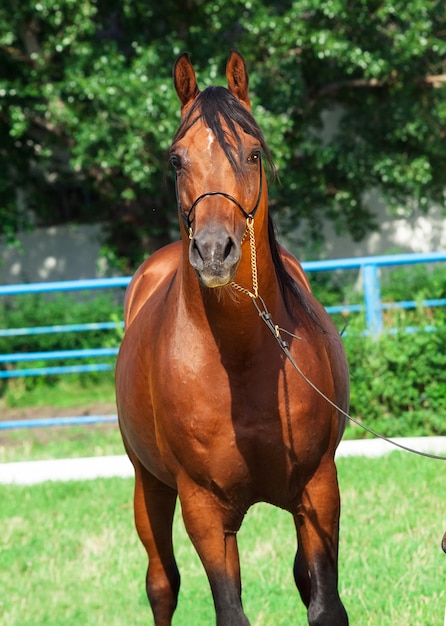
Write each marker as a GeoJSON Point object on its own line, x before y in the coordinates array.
{"type": "Point", "coordinates": [56, 253]}
{"type": "Point", "coordinates": [417, 233]}
{"type": "Point", "coordinates": [403, 232]}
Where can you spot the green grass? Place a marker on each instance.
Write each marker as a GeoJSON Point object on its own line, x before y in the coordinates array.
{"type": "Point", "coordinates": [64, 442]}
{"type": "Point", "coordinates": [63, 399]}
{"type": "Point", "coordinates": [69, 553]}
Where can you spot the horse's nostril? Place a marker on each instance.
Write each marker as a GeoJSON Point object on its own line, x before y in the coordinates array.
{"type": "Point", "coordinates": [228, 248]}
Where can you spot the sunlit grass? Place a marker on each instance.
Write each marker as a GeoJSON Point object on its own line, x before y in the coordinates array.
{"type": "Point", "coordinates": [64, 399]}
{"type": "Point", "coordinates": [60, 442]}
{"type": "Point", "coordinates": [70, 554]}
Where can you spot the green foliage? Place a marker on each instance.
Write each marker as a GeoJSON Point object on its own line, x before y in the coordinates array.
{"type": "Point", "coordinates": [398, 380]}
{"type": "Point", "coordinates": [417, 282]}
{"type": "Point", "coordinates": [88, 108]}
{"type": "Point", "coordinates": [66, 442]}
{"type": "Point", "coordinates": [35, 310]}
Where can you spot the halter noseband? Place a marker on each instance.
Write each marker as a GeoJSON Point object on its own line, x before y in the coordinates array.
{"type": "Point", "coordinates": [186, 216]}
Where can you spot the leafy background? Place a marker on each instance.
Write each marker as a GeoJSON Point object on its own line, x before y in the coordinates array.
{"type": "Point", "coordinates": [87, 108]}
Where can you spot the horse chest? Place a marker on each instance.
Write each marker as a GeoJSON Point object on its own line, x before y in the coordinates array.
{"type": "Point", "coordinates": [227, 428]}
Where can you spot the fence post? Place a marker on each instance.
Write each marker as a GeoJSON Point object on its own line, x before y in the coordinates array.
{"type": "Point", "coordinates": [372, 299]}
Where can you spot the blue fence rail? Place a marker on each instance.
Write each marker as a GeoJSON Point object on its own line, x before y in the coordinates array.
{"type": "Point", "coordinates": [52, 287]}
{"type": "Point", "coordinates": [372, 305]}
{"type": "Point", "coordinates": [369, 266]}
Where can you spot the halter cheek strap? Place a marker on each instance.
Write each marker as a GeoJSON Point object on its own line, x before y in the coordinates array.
{"type": "Point", "coordinates": [186, 215]}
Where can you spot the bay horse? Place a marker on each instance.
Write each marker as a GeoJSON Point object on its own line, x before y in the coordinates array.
{"type": "Point", "coordinates": [210, 409]}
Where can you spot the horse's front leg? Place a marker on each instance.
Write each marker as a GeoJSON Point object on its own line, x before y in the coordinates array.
{"type": "Point", "coordinates": [317, 523]}
{"type": "Point", "coordinates": [154, 507]}
{"type": "Point", "coordinates": [212, 526]}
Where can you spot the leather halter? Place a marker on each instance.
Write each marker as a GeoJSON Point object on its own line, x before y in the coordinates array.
{"type": "Point", "coordinates": [186, 215]}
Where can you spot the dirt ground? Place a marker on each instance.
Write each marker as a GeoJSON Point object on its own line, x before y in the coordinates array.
{"type": "Point", "coordinates": [98, 408]}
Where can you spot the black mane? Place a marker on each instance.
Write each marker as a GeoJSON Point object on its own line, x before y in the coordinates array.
{"type": "Point", "coordinates": [221, 111]}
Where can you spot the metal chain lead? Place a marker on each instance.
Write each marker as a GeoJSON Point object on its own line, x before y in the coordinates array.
{"type": "Point", "coordinates": [254, 294]}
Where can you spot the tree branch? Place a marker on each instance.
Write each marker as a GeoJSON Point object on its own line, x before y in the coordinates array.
{"type": "Point", "coordinates": [361, 83]}
{"type": "Point", "coordinates": [435, 81]}
{"type": "Point", "coordinates": [16, 54]}
{"type": "Point", "coordinates": [333, 88]}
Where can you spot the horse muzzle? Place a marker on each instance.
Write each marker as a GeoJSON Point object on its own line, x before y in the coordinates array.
{"type": "Point", "coordinates": [214, 253]}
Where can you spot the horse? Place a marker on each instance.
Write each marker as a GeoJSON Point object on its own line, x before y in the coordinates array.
{"type": "Point", "coordinates": [211, 410]}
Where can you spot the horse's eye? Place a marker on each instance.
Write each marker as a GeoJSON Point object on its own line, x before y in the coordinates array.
{"type": "Point", "coordinates": [254, 157]}
{"type": "Point", "coordinates": [175, 161]}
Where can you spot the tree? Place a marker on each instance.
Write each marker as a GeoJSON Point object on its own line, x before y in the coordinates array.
{"type": "Point", "coordinates": [88, 108]}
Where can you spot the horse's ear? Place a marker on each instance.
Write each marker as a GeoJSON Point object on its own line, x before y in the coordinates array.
{"type": "Point", "coordinates": [238, 78]}
{"type": "Point", "coordinates": [185, 80]}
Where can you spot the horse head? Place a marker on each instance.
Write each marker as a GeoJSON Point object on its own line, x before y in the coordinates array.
{"type": "Point", "coordinates": [217, 158]}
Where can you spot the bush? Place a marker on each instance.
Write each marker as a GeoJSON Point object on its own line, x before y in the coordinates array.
{"type": "Point", "coordinates": [34, 310]}
{"type": "Point", "coordinates": [398, 380]}
{"type": "Point", "coordinates": [413, 282]}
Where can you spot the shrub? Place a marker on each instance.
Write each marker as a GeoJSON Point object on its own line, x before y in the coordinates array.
{"type": "Point", "coordinates": [34, 310]}
{"type": "Point", "coordinates": [398, 380]}
{"type": "Point", "coordinates": [413, 282]}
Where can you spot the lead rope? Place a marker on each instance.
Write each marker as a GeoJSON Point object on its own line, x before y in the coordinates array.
{"type": "Point", "coordinates": [265, 315]}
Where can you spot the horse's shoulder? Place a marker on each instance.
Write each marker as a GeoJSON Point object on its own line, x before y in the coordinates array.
{"type": "Point", "coordinates": [294, 268]}
{"type": "Point", "coordinates": [157, 269]}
